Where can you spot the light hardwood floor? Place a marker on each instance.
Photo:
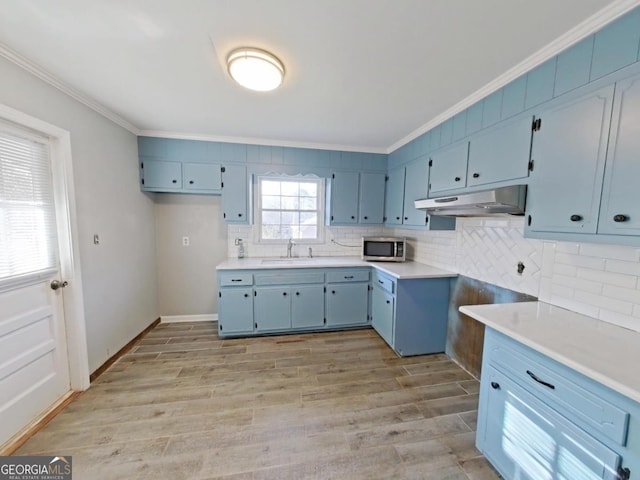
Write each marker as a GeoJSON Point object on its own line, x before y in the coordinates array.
{"type": "Point", "coordinates": [184, 404]}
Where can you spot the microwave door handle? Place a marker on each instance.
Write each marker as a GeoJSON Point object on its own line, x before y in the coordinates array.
{"type": "Point", "coordinates": [395, 249]}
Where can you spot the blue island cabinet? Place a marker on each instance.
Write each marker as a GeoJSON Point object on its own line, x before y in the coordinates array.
{"type": "Point", "coordinates": [539, 419]}
{"type": "Point", "coordinates": [410, 314]}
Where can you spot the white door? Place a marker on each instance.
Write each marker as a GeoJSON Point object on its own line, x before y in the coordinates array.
{"type": "Point", "coordinates": [34, 366]}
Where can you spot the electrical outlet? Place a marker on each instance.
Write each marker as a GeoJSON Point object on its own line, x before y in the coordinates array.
{"type": "Point", "coordinates": [96, 239]}
{"type": "Point", "coordinates": [185, 241]}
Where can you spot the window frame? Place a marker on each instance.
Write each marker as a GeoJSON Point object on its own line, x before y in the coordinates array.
{"type": "Point", "coordinates": [320, 181]}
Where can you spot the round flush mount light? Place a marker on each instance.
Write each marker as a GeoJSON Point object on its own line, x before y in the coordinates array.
{"type": "Point", "coordinates": [255, 69]}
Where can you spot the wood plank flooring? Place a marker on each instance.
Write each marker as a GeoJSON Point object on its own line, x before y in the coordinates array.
{"type": "Point", "coordinates": [184, 404]}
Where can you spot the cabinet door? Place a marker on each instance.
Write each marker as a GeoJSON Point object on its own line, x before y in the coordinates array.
{"type": "Point", "coordinates": [501, 153]}
{"type": "Point", "coordinates": [234, 194]}
{"type": "Point", "coordinates": [201, 177]}
{"type": "Point", "coordinates": [371, 198]}
{"type": "Point", "coordinates": [161, 175]}
{"type": "Point", "coordinates": [307, 306]}
{"type": "Point", "coordinates": [394, 197]}
{"type": "Point", "coordinates": [347, 304]}
{"type": "Point", "coordinates": [448, 168]}
{"type": "Point", "coordinates": [272, 309]}
{"type": "Point", "coordinates": [344, 197]}
{"type": "Point", "coordinates": [382, 309]}
{"type": "Point", "coordinates": [569, 154]}
{"type": "Point", "coordinates": [620, 209]}
{"type": "Point", "coordinates": [416, 184]}
{"type": "Point", "coordinates": [235, 311]}
{"type": "Point", "coordinates": [527, 440]}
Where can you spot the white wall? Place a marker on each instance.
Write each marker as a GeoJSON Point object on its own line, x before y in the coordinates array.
{"type": "Point", "coordinates": [602, 281]}
{"type": "Point", "coordinates": [187, 274]}
{"type": "Point", "coordinates": [119, 275]}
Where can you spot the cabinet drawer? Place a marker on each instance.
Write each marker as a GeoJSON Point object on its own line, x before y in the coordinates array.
{"type": "Point", "coordinates": [235, 278]}
{"type": "Point", "coordinates": [577, 402]}
{"type": "Point", "coordinates": [384, 282]}
{"type": "Point", "coordinates": [345, 276]}
{"type": "Point", "coordinates": [287, 278]}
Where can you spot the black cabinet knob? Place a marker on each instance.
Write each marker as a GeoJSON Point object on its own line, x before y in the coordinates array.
{"type": "Point", "coordinates": [284, 293]}
{"type": "Point", "coordinates": [397, 218]}
{"type": "Point", "coordinates": [388, 301]}
{"type": "Point", "coordinates": [575, 218]}
{"type": "Point", "coordinates": [620, 218]}
{"type": "Point", "coordinates": [190, 182]}
{"type": "Point", "coordinates": [246, 295]}
{"type": "Point", "coordinates": [457, 179]}
{"type": "Point", "coordinates": [333, 292]}
{"type": "Point", "coordinates": [406, 218]}
{"type": "Point", "coordinates": [353, 217]}
{"type": "Point", "coordinates": [297, 293]}
{"type": "Point", "coordinates": [174, 181]}
{"type": "Point", "coordinates": [476, 175]}
{"type": "Point", "coordinates": [366, 218]}
{"type": "Point", "coordinates": [495, 385]}
{"type": "Point", "coordinates": [239, 214]}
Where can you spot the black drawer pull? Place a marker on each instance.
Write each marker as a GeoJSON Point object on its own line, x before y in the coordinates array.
{"type": "Point", "coordinates": [380, 282]}
{"type": "Point", "coordinates": [457, 179]}
{"type": "Point", "coordinates": [174, 181]}
{"type": "Point", "coordinates": [495, 385]}
{"type": "Point", "coordinates": [236, 279]}
{"type": "Point", "coordinates": [190, 182]}
{"type": "Point", "coordinates": [620, 218]}
{"type": "Point", "coordinates": [575, 218]}
{"type": "Point", "coordinates": [476, 175]}
{"type": "Point", "coordinates": [348, 277]}
{"type": "Point", "coordinates": [541, 382]}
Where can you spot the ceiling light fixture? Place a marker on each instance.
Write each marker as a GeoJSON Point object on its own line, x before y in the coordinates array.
{"type": "Point", "coordinates": [255, 69]}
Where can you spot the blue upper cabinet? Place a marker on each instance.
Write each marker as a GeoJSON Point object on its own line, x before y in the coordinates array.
{"type": "Point", "coordinates": [573, 67]}
{"type": "Point", "coordinates": [500, 153]}
{"type": "Point", "coordinates": [160, 176]}
{"type": "Point", "coordinates": [415, 187]}
{"type": "Point", "coordinates": [435, 137]}
{"type": "Point", "coordinates": [540, 82]}
{"type": "Point", "coordinates": [201, 177]}
{"type": "Point", "coordinates": [616, 45]}
{"type": "Point", "coordinates": [446, 132]}
{"type": "Point", "coordinates": [513, 97]}
{"type": "Point", "coordinates": [459, 126]}
{"type": "Point", "coordinates": [448, 168]}
{"type": "Point", "coordinates": [620, 208]}
{"type": "Point", "coordinates": [371, 200]}
{"type": "Point", "coordinates": [394, 197]}
{"type": "Point", "coordinates": [569, 153]}
{"type": "Point", "coordinates": [343, 193]}
{"type": "Point", "coordinates": [235, 195]}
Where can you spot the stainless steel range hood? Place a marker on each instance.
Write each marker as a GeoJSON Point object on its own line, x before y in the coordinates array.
{"type": "Point", "coordinates": [504, 200]}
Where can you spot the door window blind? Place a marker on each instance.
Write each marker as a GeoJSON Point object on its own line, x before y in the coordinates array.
{"type": "Point", "coordinates": [28, 240]}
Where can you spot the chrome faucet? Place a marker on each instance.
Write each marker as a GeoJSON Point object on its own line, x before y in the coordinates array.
{"type": "Point", "coordinates": [289, 246]}
{"type": "Point", "coordinates": [310, 253]}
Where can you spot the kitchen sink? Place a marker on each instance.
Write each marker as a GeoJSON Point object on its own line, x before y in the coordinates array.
{"type": "Point", "coordinates": [302, 260]}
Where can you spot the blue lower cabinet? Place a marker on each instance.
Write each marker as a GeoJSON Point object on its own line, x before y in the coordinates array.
{"type": "Point", "coordinates": [411, 314]}
{"type": "Point", "coordinates": [235, 311]}
{"type": "Point", "coordinates": [382, 310]}
{"type": "Point", "coordinates": [538, 418]}
{"type": "Point", "coordinates": [307, 306]}
{"type": "Point", "coordinates": [347, 304]}
{"type": "Point", "coordinates": [272, 309]}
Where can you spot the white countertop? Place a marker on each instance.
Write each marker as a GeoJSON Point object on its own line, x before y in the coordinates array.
{"type": "Point", "coordinates": [601, 351]}
{"type": "Point", "coordinates": [403, 270]}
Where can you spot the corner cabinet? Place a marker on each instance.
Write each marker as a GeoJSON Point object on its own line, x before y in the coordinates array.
{"type": "Point", "coordinates": [355, 198]}
{"type": "Point", "coordinates": [410, 314]}
{"type": "Point", "coordinates": [540, 419]}
{"type": "Point", "coordinates": [405, 185]}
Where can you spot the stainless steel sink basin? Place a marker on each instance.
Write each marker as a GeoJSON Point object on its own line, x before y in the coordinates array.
{"type": "Point", "coordinates": [301, 261]}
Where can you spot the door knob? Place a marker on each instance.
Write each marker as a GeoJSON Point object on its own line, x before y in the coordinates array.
{"type": "Point", "coordinates": [56, 284]}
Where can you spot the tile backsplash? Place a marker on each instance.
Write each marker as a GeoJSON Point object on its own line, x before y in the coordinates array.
{"type": "Point", "coordinates": [348, 238]}
{"type": "Point", "coordinates": [601, 281]}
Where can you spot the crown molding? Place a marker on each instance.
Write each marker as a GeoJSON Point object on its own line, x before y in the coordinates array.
{"type": "Point", "coordinates": [580, 31]}
{"type": "Point", "coordinates": [47, 77]}
{"type": "Point", "coordinates": [260, 141]}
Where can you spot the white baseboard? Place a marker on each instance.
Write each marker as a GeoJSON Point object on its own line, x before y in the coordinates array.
{"type": "Point", "coordinates": [189, 318]}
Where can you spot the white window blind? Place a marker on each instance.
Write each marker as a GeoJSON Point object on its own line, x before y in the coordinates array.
{"type": "Point", "coordinates": [28, 240]}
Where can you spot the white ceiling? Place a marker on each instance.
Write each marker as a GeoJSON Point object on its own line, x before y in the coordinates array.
{"type": "Point", "coordinates": [360, 74]}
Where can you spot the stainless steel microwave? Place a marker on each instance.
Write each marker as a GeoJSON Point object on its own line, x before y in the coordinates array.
{"type": "Point", "coordinates": [383, 249]}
